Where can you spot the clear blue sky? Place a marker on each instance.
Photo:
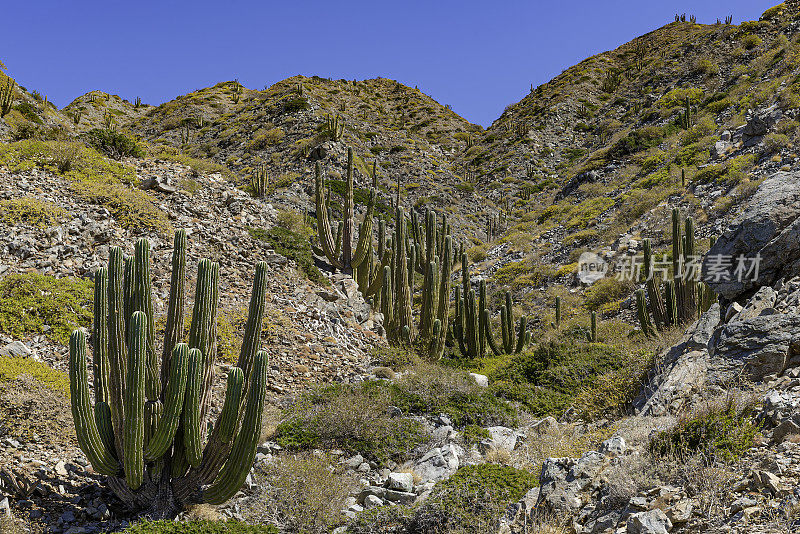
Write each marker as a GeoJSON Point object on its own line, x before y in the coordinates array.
{"type": "Point", "coordinates": [476, 56]}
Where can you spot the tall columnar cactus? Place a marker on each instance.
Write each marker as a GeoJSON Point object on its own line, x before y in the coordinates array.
{"type": "Point", "coordinates": [557, 323]}
{"type": "Point", "coordinates": [7, 97]}
{"type": "Point", "coordinates": [343, 258]}
{"type": "Point", "coordinates": [654, 296]}
{"type": "Point", "coordinates": [147, 430]}
{"type": "Point", "coordinates": [401, 327]}
{"type": "Point", "coordinates": [591, 335]}
{"type": "Point", "coordinates": [510, 343]}
{"type": "Point", "coordinates": [334, 127]}
{"type": "Point", "coordinates": [641, 312]}
{"type": "Point", "coordinates": [259, 182]}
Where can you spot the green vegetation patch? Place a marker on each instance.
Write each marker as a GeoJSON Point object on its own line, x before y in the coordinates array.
{"type": "Point", "coordinates": [547, 379]}
{"type": "Point", "coordinates": [34, 303]}
{"type": "Point", "coordinates": [30, 211]}
{"type": "Point", "coordinates": [294, 246]}
{"type": "Point", "coordinates": [92, 177]}
{"type": "Point", "coordinates": [723, 433]}
{"type": "Point", "coordinates": [12, 367]}
{"type": "Point", "coordinates": [114, 144]}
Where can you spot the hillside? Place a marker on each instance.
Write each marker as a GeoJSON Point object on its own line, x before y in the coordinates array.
{"type": "Point", "coordinates": [403, 389]}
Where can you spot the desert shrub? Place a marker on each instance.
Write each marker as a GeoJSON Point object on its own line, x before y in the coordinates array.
{"type": "Point", "coordinates": [705, 67]}
{"type": "Point", "coordinates": [396, 358]}
{"type": "Point", "coordinates": [266, 138]}
{"type": "Point", "coordinates": [198, 527]}
{"type": "Point", "coordinates": [636, 141]}
{"type": "Point", "coordinates": [29, 112]}
{"type": "Point", "coordinates": [653, 162]}
{"type": "Point", "coordinates": [34, 303]}
{"type": "Point", "coordinates": [294, 246]}
{"type": "Point", "coordinates": [292, 220]}
{"type": "Point", "coordinates": [353, 418]}
{"type": "Point", "coordinates": [721, 432]}
{"type": "Point", "coordinates": [547, 378]}
{"type": "Point", "coordinates": [301, 493]}
{"type": "Point", "coordinates": [297, 103]}
{"type": "Point", "coordinates": [471, 499]}
{"type": "Point", "coordinates": [198, 165]}
{"type": "Point", "coordinates": [751, 41]}
{"type": "Point", "coordinates": [773, 143]}
{"type": "Point", "coordinates": [30, 211]}
{"type": "Point", "coordinates": [704, 127]}
{"type": "Point", "coordinates": [606, 290]}
{"type": "Point", "coordinates": [114, 144]}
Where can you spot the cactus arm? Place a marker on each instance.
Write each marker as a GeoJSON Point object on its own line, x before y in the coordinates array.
{"type": "Point", "coordinates": [191, 409]}
{"type": "Point", "coordinates": [100, 336]}
{"type": "Point", "coordinates": [255, 319]}
{"type": "Point", "coordinates": [143, 302]}
{"type": "Point", "coordinates": [326, 236]}
{"type": "Point", "coordinates": [133, 460]}
{"type": "Point", "coordinates": [377, 283]}
{"type": "Point", "coordinates": [89, 437]}
{"type": "Point", "coordinates": [117, 348]}
{"type": "Point", "coordinates": [102, 415]}
{"type": "Point", "coordinates": [240, 460]}
{"type": "Point", "coordinates": [487, 324]}
{"type": "Point", "coordinates": [175, 307]}
{"type": "Point", "coordinates": [347, 233]}
{"type": "Point", "coordinates": [365, 233]}
{"type": "Point", "coordinates": [173, 404]}
{"type": "Point", "coordinates": [523, 325]}
{"type": "Point", "coordinates": [481, 318]}
{"type": "Point", "coordinates": [229, 417]}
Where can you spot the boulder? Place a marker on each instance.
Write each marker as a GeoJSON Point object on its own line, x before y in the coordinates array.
{"type": "Point", "coordinates": [650, 522]}
{"type": "Point", "coordinates": [401, 482]}
{"type": "Point", "coordinates": [564, 482]}
{"type": "Point", "coordinates": [757, 347]}
{"type": "Point", "coordinates": [768, 228]}
{"type": "Point", "coordinates": [437, 464]}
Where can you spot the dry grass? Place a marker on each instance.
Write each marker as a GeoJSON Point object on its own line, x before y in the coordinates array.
{"type": "Point", "coordinates": [301, 493]}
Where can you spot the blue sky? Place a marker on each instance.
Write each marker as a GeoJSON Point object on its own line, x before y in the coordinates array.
{"type": "Point", "coordinates": [476, 56]}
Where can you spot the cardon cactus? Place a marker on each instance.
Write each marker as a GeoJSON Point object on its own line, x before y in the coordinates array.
{"type": "Point", "coordinates": [148, 429]}
{"type": "Point", "coordinates": [510, 343]}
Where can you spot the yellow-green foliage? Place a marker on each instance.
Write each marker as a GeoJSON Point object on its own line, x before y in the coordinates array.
{"type": "Point", "coordinates": [30, 211]}
{"type": "Point", "coordinates": [522, 274]}
{"type": "Point", "coordinates": [266, 138]}
{"type": "Point", "coordinates": [230, 331]}
{"type": "Point", "coordinates": [606, 290]}
{"type": "Point", "coordinates": [705, 126]}
{"type": "Point", "coordinates": [751, 41]}
{"type": "Point", "coordinates": [773, 12]}
{"type": "Point", "coordinates": [93, 177]}
{"type": "Point", "coordinates": [198, 165]}
{"type": "Point", "coordinates": [34, 303]}
{"type": "Point", "coordinates": [12, 367]}
{"type": "Point", "coordinates": [677, 97]}
{"type": "Point", "coordinates": [586, 213]}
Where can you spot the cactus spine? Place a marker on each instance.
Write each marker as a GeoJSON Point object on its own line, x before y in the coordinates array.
{"type": "Point", "coordinates": [147, 429]}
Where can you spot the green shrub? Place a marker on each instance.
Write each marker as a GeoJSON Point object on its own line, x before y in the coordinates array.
{"type": "Point", "coordinates": [29, 112]}
{"type": "Point", "coordinates": [114, 144]}
{"type": "Point", "coordinates": [297, 103]}
{"type": "Point", "coordinates": [353, 418]}
{"type": "Point", "coordinates": [751, 41]}
{"type": "Point", "coordinates": [722, 433]}
{"type": "Point", "coordinates": [606, 290]}
{"type": "Point", "coordinates": [198, 527]}
{"type": "Point", "coordinates": [294, 246]}
{"type": "Point", "coordinates": [34, 303]}
{"type": "Point", "coordinates": [547, 378]}
{"type": "Point", "coordinates": [471, 499]}
{"type": "Point", "coordinates": [30, 211]}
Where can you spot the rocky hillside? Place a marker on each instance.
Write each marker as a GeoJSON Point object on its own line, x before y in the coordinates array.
{"type": "Point", "coordinates": [596, 426]}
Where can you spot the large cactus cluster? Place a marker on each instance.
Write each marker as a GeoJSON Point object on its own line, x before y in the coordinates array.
{"type": "Point", "coordinates": [472, 327]}
{"type": "Point", "coordinates": [427, 250]}
{"type": "Point", "coordinates": [148, 429]}
{"type": "Point", "coordinates": [6, 96]}
{"type": "Point", "coordinates": [683, 298]}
